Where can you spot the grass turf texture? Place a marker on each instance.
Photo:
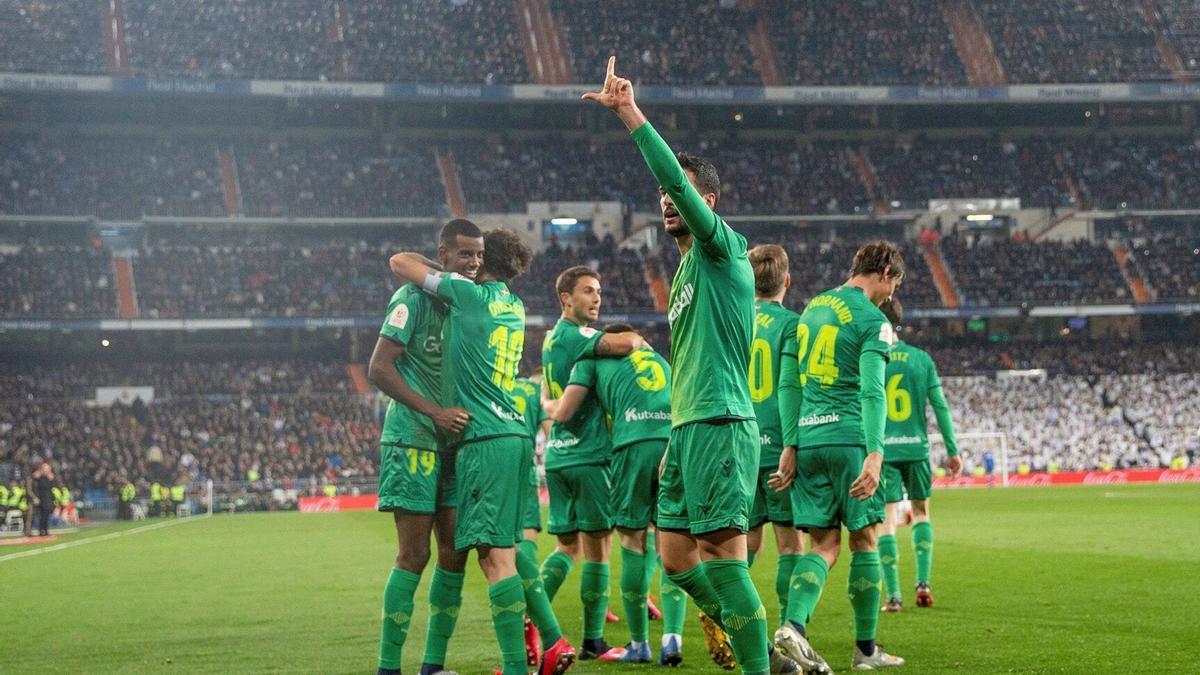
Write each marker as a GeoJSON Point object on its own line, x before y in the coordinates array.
{"type": "Point", "coordinates": [1074, 579]}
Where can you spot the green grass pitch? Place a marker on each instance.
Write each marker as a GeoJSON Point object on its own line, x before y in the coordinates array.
{"type": "Point", "coordinates": [1077, 579]}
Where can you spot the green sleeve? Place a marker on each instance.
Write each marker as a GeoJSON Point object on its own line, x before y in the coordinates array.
{"type": "Point", "coordinates": [871, 369]}
{"type": "Point", "coordinates": [945, 424]}
{"type": "Point", "coordinates": [700, 220]}
{"type": "Point", "coordinates": [791, 394]}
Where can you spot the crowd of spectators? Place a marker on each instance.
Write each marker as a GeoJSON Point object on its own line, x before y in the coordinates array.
{"type": "Point", "coordinates": [697, 43]}
{"type": "Point", "coordinates": [109, 176]}
{"type": "Point", "coordinates": [997, 271]}
{"type": "Point", "coordinates": [675, 41]}
{"type": "Point", "coordinates": [1083, 357]}
{"type": "Point", "coordinates": [50, 37]}
{"type": "Point", "coordinates": [1073, 40]}
{"type": "Point", "coordinates": [870, 42]}
{"type": "Point", "coordinates": [1161, 408]}
{"type": "Point", "coordinates": [1135, 172]}
{"type": "Point", "coordinates": [59, 281]}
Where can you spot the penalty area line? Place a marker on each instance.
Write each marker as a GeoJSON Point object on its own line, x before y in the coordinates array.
{"type": "Point", "coordinates": [93, 540]}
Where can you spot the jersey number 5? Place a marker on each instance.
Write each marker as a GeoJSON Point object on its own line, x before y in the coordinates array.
{"type": "Point", "coordinates": [651, 376]}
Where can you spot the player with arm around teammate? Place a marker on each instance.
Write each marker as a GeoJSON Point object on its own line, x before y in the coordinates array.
{"type": "Point", "coordinates": [486, 337]}
{"type": "Point", "coordinates": [912, 380]}
{"type": "Point", "coordinates": [416, 482]}
{"type": "Point", "coordinates": [634, 393]}
{"type": "Point", "coordinates": [835, 451]}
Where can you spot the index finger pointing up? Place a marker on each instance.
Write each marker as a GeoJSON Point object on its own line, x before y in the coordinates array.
{"type": "Point", "coordinates": [612, 64]}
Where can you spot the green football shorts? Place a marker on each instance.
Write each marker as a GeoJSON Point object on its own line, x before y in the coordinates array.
{"type": "Point", "coordinates": [821, 494]}
{"type": "Point", "coordinates": [493, 477]}
{"type": "Point", "coordinates": [635, 483]}
{"type": "Point", "coordinates": [769, 505]}
{"type": "Point", "coordinates": [579, 499]}
{"type": "Point", "coordinates": [415, 480]}
{"type": "Point", "coordinates": [708, 479]}
{"type": "Point", "coordinates": [913, 478]}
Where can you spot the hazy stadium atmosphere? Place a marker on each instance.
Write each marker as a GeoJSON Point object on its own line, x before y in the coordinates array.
{"type": "Point", "coordinates": [264, 280]}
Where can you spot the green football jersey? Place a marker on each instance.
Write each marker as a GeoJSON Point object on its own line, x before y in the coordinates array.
{"type": "Point", "coordinates": [414, 320]}
{"type": "Point", "coordinates": [528, 397]}
{"type": "Point", "coordinates": [485, 339]}
{"type": "Point", "coordinates": [834, 330]}
{"type": "Point", "coordinates": [634, 391]}
{"type": "Point", "coordinates": [774, 325]}
{"type": "Point", "coordinates": [583, 440]}
{"type": "Point", "coordinates": [911, 375]}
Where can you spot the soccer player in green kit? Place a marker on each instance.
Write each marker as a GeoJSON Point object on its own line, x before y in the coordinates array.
{"type": "Point", "coordinates": [577, 457]}
{"type": "Point", "coordinates": [912, 380]}
{"type": "Point", "coordinates": [774, 340]}
{"type": "Point", "coordinates": [634, 393]}
{"type": "Point", "coordinates": [708, 477]}
{"type": "Point", "coordinates": [416, 481]}
{"type": "Point", "coordinates": [486, 337]}
{"type": "Point", "coordinates": [528, 397]}
{"type": "Point", "coordinates": [835, 451]}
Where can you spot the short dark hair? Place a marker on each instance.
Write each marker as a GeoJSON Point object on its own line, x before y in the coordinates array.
{"type": "Point", "coordinates": [876, 257]}
{"type": "Point", "coordinates": [893, 310]}
{"type": "Point", "coordinates": [707, 179]}
{"type": "Point", "coordinates": [570, 277]}
{"type": "Point", "coordinates": [618, 328]}
{"type": "Point", "coordinates": [770, 265]}
{"type": "Point", "coordinates": [458, 227]}
{"type": "Point", "coordinates": [505, 256]}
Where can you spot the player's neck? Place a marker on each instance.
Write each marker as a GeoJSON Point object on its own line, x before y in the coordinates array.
{"type": "Point", "coordinates": [777, 298]}
{"type": "Point", "coordinates": [684, 242]}
{"type": "Point", "coordinates": [567, 316]}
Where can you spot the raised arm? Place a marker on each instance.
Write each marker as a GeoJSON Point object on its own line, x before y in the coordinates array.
{"type": "Point", "coordinates": [617, 96]}
{"type": "Point", "coordinates": [413, 268]}
{"type": "Point", "coordinates": [619, 344]}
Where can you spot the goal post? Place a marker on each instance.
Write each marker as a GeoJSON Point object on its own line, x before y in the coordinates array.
{"type": "Point", "coordinates": [973, 447]}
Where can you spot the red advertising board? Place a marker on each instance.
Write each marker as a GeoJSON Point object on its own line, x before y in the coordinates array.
{"type": "Point", "coordinates": [1118, 477]}
{"type": "Point", "coordinates": [340, 503]}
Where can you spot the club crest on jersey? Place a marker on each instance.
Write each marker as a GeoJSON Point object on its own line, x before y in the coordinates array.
{"type": "Point", "coordinates": [681, 303]}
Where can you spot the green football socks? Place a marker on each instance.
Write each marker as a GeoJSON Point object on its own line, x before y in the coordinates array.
{"type": "Point", "coordinates": [507, 600]}
{"type": "Point", "coordinates": [922, 536]}
{"type": "Point", "coordinates": [743, 614]}
{"type": "Point", "coordinates": [695, 583]}
{"type": "Point", "coordinates": [445, 600]}
{"type": "Point", "coordinates": [537, 603]}
{"type": "Point", "coordinates": [554, 572]}
{"type": "Point", "coordinates": [889, 560]}
{"type": "Point", "coordinates": [397, 613]}
{"type": "Point", "coordinates": [808, 580]}
{"type": "Point", "coordinates": [674, 606]}
{"type": "Point", "coordinates": [633, 593]}
{"type": "Point", "coordinates": [593, 593]}
{"type": "Point", "coordinates": [866, 586]}
{"type": "Point", "coordinates": [783, 580]}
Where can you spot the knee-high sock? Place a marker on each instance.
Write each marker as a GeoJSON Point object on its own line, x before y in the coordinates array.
{"type": "Point", "coordinates": [507, 600]}
{"type": "Point", "coordinates": [554, 572]}
{"type": "Point", "coordinates": [922, 536]}
{"type": "Point", "coordinates": [537, 603]}
{"type": "Point", "coordinates": [889, 560]}
{"type": "Point", "coordinates": [633, 593]}
{"type": "Point", "coordinates": [593, 593]}
{"type": "Point", "coordinates": [808, 580]}
{"type": "Point", "coordinates": [651, 566]}
{"type": "Point", "coordinates": [397, 613]}
{"type": "Point", "coordinates": [866, 586]}
{"type": "Point", "coordinates": [695, 583]}
{"type": "Point", "coordinates": [674, 607]}
{"type": "Point", "coordinates": [445, 600]}
{"type": "Point", "coordinates": [783, 581]}
{"type": "Point", "coordinates": [742, 613]}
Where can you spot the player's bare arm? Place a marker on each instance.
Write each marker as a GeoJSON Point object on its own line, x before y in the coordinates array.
{"type": "Point", "coordinates": [412, 268]}
{"type": "Point", "coordinates": [619, 344]}
{"type": "Point", "coordinates": [617, 96]}
{"type": "Point", "coordinates": [382, 373]}
{"type": "Point", "coordinates": [566, 406]}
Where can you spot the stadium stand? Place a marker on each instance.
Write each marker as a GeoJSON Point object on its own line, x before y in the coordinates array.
{"type": "Point", "coordinates": [34, 284]}
{"type": "Point", "coordinates": [50, 37]}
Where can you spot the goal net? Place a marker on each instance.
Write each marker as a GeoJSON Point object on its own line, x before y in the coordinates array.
{"type": "Point", "coordinates": [983, 453]}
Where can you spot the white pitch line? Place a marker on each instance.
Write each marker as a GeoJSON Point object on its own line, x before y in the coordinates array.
{"type": "Point", "coordinates": [92, 540]}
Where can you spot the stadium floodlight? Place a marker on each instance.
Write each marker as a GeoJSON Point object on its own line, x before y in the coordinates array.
{"type": "Point", "coordinates": [564, 221]}
{"type": "Point", "coordinates": [980, 217]}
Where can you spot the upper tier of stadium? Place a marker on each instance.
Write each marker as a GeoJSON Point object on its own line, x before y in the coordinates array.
{"type": "Point", "coordinates": [728, 42]}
